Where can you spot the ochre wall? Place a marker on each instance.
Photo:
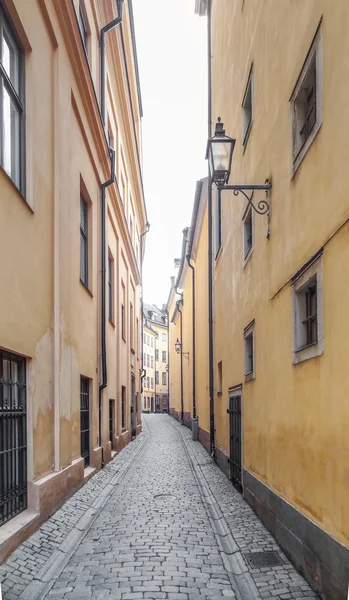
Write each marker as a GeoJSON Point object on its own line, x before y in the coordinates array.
{"type": "Point", "coordinates": [295, 417]}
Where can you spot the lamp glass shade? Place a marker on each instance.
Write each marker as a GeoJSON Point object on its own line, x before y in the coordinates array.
{"type": "Point", "coordinates": [220, 153]}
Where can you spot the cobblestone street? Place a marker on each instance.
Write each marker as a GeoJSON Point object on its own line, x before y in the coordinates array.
{"type": "Point", "coordinates": [160, 521]}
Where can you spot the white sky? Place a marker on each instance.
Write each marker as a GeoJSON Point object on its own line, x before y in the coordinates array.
{"type": "Point", "coordinates": [171, 48]}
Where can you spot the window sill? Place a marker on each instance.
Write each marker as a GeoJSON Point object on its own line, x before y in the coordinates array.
{"type": "Point", "coordinates": [303, 151]}
{"type": "Point", "coordinates": [86, 288]}
{"type": "Point", "coordinates": [219, 252]}
{"type": "Point", "coordinates": [16, 189]}
{"type": "Point", "coordinates": [248, 256]}
{"type": "Point", "coordinates": [307, 352]}
{"type": "Point", "coordinates": [249, 376]}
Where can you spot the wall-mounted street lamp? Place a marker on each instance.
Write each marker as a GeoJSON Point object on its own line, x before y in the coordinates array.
{"type": "Point", "coordinates": [219, 152]}
{"type": "Point", "coordinates": [178, 347]}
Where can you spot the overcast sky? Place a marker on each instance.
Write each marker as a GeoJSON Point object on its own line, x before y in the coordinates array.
{"type": "Point", "coordinates": [171, 48]}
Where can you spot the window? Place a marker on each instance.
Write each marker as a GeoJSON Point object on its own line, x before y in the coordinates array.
{"type": "Point", "coordinates": [148, 340]}
{"type": "Point", "coordinates": [111, 287]}
{"type": "Point", "coordinates": [164, 401]}
{"type": "Point", "coordinates": [164, 356]}
{"type": "Point", "coordinates": [249, 352]}
{"type": "Point", "coordinates": [152, 362]}
{"type": "Point", "coordinates": [156, 377]}
{"type": "Point", "coordinates": [148, 382]}
{"type": "Point", "coordinates": [123, 407]}
{"type": "Point", "coordinates": [218, 219]}
{"type": "Point", "coordinates": [123, 316]}
{"type": "Point", "coordinates": [11, 104]}
{"type": "Point", "coordinates": [164, 378]}
{"type": "Point", "coordinates": [248, 234]}
{"type": "Point", "coordinates": [306, 103]}
{"type": "Point", "coordinates": [131, 326]}
{"type": "Point", "coordinates": [85, 419]}
{"type": "Point", "coordinates": [152, 382]}
{"type": "Point", "coordinates": [152, 342]}
{"type": "Point", "coordinates": [144, 338]}
{"type": "Point", "coordinates": [307, 313]}
{"type": "Point", "coordinates": [148, 360]}
{"type": "Point", "coordinates": [220, 378]}
{"type": "Point", "coordinates": [247, 109]}
{"type": "Point", "coordinates": [156, 354]}
{"type": "Point", "coordinates": [83, 29]}
{"type": "Point", "coordinates": [164, 337]}
{"type": "Point", "coordinates": [83, 241]}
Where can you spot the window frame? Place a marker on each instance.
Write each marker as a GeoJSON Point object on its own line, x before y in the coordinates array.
{"type": "Point", "coordinates": [17, 97]}
{"type": "Point", "coordinates": [314, 54]}
{"type": "Point", "coordinates": [249, 334]}
{"type": "Point", "coordinates": [164, 356]}
{"type": "Point", "coordinates": [164, 378]}
{"type": "Point", "coordinates": [247, 124]}
{"type": "Point", "coordinates": [310, 274]}
{"type": "Point", "coordinates": [157, 378]}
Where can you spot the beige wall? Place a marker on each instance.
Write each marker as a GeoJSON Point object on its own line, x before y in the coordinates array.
{"type": "Point", "coordinates": [48, 315]}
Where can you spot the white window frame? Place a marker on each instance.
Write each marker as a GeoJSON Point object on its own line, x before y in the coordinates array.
{"type": "Point", "coordinates": [302, 353]}
{"type": "Point", "coordinates": [247, 122]}
{"type": "Point", "coordinates": [315, 52]}
{"type": "Point", "coordinates": [247, 254]}
{"type": "Point", "coordinates": [250, 331]}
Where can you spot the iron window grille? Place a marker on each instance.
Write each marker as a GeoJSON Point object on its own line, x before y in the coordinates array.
{"type": "Point", "coordinates": [111, 288]}
{"type": "Point", "coordinates": [123, 407]}
{"type": "Point", "coordinates": [13, 438]}
{"type": "Point", "coordinates": [12, 104]}
{"type": "Point", "coordinates": [83, 241]}
{"type": "Point", "coordinates": [85, 419]}
{"type": "Point", "coordinates": [111, 428]}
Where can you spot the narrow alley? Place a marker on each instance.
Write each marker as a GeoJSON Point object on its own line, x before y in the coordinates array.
{"type": "Point", "coordinates": [160, 521]}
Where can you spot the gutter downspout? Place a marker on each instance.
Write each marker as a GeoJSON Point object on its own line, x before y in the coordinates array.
{"type": "Point", "coordinates": [181, 334]}
{"type": "Point", "coordinates": [104, 31]}
{"type": "Point", "coordinates": [104, 381]}
{"type": "Point", "coordinates": [147, 227]}
{"type": "Point", "coordinates": [210, 244]}
{"type": "Point", "coordinates": [193, 334]}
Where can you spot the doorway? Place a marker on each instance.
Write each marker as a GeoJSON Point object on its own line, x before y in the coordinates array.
{"type": "Point", "coordinates": [235, 433]}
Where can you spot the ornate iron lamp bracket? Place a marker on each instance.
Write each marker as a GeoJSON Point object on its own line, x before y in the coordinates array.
{"type": "Point", "coordinates": [263, 206]}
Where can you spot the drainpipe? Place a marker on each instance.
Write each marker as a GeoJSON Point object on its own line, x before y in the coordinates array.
{"type": "Point", "coordinates": [147, 227]}
{"type": "Point", "coordinates": [104, 31]}
{"type": "Point", "coordinates": [104, 380]}
{"type": "Point", "coordinates": [194, 347]}
{"type": "Point", "coordinates": [181, 334]}
{"type": "Point", "coordinates": [210, 244]}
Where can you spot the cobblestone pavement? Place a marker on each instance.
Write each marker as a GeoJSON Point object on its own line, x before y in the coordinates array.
{"type": "Point", "coordinates": [160, 521]}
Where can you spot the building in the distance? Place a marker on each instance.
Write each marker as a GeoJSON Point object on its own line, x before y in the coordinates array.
{"type": "Point", "coordinates": [149, 341]}
{"type": "Point", "coordinates": [157, 320]}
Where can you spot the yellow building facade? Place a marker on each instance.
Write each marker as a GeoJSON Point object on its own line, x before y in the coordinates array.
{"type": "Point", "coordinates": [149, 343]}
{"type": "Point", "coordinates": [279, 281]}
{"type": "Point", "coordinates": [188, 324]}
{"type": "Point", "coordinates": [157, 320]}
{"type": "Point", "coordinates": [72, 213]}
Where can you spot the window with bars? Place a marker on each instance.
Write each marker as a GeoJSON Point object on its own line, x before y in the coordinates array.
{"type": "Point", "coordinates": [11, 103]}
{"type": "Point", "coordinates": [249, 349]}
{"type": "Point", "coordinates": [83, 241]}
{"type": "Point", "coordinates": [306, 104]}
{"type": "Point", "coordinates": [85, 420]}
{"type": "Point", "coordinates": [307, 314]}
{"type": "Point", "coordinates": [123, 407]}
{"type": "Point", "coordinates": [111, 287]}
{"type": "Point", "coordinates": [248, 233]}
{"type": "Point", "coordinates": [13, 436]}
